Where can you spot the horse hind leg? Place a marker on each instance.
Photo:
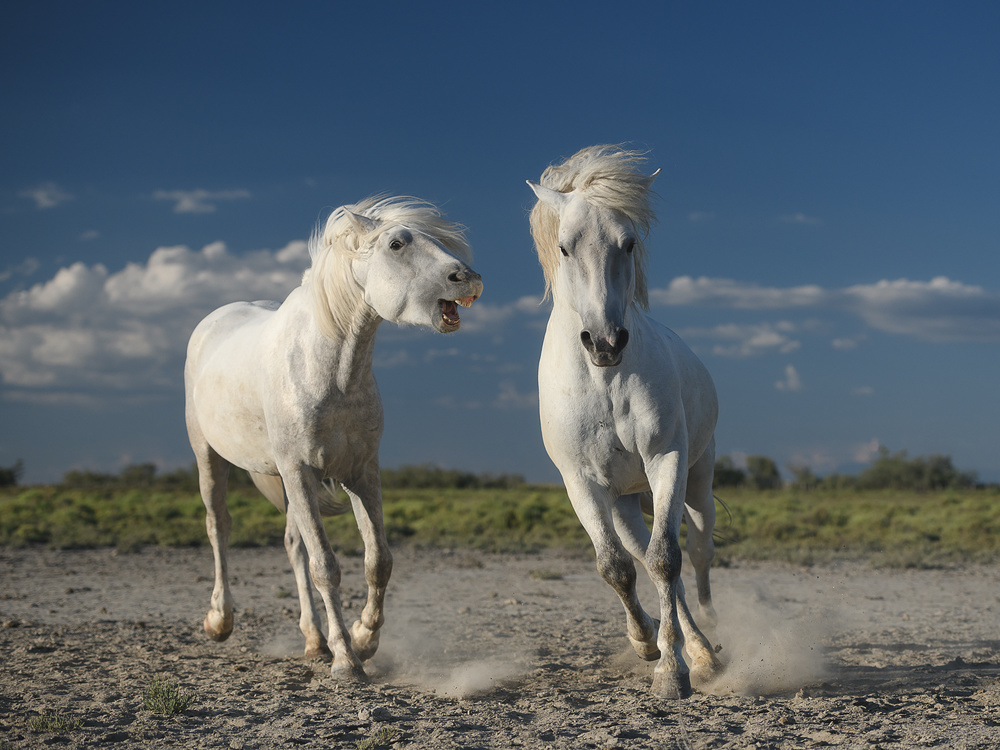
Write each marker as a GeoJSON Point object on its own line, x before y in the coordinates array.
{"type": "Point", "coordinates": [309, 623]}
{"type": "Point", "coordinates": [699, 516]}
{"type": "Point", "coordinates": [213, 476]}
{"type": "Point", "coordinates": [366, 499]}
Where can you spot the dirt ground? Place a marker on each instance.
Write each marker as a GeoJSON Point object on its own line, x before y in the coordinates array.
{"type": "Point", "coordinates": [494, 651]}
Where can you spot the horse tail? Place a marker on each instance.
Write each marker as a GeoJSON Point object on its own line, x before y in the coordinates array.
{"type": "Point", "coordinates": [272, 488]}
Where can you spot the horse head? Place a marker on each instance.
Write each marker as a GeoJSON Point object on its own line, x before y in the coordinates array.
{"type": "Point", "coordinates": [404, 260]}
{"type": "Point", "coordinates": [596, 271]}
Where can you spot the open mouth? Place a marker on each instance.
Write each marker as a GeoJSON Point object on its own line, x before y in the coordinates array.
{"type": "Point", "coordinates": [450, 319]}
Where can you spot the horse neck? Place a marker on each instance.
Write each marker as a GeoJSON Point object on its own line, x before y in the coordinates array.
{"type": "Point", "coordinates": [348, 358]}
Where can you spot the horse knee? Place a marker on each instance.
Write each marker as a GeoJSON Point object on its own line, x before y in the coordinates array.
{"type": "Point", "coordinates": [617, 569]}
{"type": "Point", "coordinates": [664, 561]}
{"type": "Point", "coordinates": [325, 572]}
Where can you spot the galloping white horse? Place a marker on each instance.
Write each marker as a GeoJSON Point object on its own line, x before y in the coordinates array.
{"type": "Point", "coordinates": [287, 392]}
{"type": "Point", "coordinates": [626, 408]}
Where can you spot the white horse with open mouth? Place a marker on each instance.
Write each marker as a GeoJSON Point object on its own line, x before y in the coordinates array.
{"type": "Point", "coordinates": [628, 412]}
{"type": "Point", "coordinates": [287, 392]}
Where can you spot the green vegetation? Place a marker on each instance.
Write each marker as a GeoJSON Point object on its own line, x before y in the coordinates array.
{"type": "Point", "coordinates": [53, 724]}
{"type": "Point", "coordinates": [381, 737]}
{"type": "Point", "coordinates": [900, 528]}
{"type": "Point", "coordinates": [887, 527]}
{"type": "Point", "coordinates": [898, 512]}
{"type": "Point", "coordinates": [164, 697]}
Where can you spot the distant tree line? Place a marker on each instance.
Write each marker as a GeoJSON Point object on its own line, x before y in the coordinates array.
{"type": "Point", "coordinates": [887, 471]}
{"type": "Point", "coordinates": [408, 477]}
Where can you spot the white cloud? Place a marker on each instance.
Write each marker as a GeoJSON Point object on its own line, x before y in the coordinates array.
{"type": "Point", "coordinates": [25, 268]}
{"type": "Point", "coordinates": [484, 317]}
{"type": "Point", "coordinates": [865, 452]}
{"type": "Point", "coordinates": [685, 290]}
{"type": "Point", "coordinates": [938, 310]}
{"type": "Point", "coordinates": [89, 328]}
{"type": "Point", "coordinates": [46, 195]}
{"type": "Point", "coordinates": [747, 340]}
{"type": "Point", "coordinates": [198, 201]}
{"type": "Point", "coordinates": [844, 344]}
{"type": "Point", "coordinates": [510, 398]}
{"type": "Point", "coordinates": [792, 381]}
{"type": "Point", "coordinates": [800, 218]}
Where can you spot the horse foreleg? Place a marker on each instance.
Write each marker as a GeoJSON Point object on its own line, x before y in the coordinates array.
{"type": "Point", "coordinates": [367, 504]}
{"type": "Point", "coordinates": [309, 622]}
{"type": "Point", "coordinates": [302, 488]}
{"type": "Point", "coordinates": [614, 563]}
{"type": "Point", "coordinates": [634, 534]}
{"type": "Point", "coordinates": [668, 481]}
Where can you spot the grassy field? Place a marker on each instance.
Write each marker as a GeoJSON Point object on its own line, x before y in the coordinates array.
{"type": "Point", "coordinates": [888, 528]}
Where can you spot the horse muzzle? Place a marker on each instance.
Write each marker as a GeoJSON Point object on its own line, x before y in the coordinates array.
{"type": "Point", "coordinates": [605, 351]}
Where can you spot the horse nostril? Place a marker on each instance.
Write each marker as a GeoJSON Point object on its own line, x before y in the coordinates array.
{"type": "Point", "coordinates": [622, 340]}
{"type": "Point", "coordinates": [456, 276]}
{"type": "Point", "coordinates": [588, 342]}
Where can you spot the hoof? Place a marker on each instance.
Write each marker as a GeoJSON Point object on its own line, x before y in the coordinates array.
{"type": "Point", "coordinates": [348, 673]}
{"type": "Point", "coordinates": [645, 650]}
{"type": "Point", "coordinates": [364, 641]}
{"type": "Point", "coordinates": [672, 687]}
{"type": "Point", "coordinates": [219, 627]}
{"type": "Point", "coordinates": [706, 669]}
{"type": "Point", "coordinates": [320, 651]}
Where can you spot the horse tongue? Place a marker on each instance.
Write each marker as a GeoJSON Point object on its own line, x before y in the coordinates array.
{"type": "Point", "coordinates": [449, 311]}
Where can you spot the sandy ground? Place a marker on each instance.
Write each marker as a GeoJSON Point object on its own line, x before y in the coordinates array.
{"type": "Point", "coordinates": [495, 651]}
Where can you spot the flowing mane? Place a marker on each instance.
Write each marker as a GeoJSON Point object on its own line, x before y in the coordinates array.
{"type": "Point", "coordinates": [607, 176]}
{"type": "Point", "coordinates": [336, 294]}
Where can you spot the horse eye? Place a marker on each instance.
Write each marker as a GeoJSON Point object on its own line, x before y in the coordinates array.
{"type": "Point", "coordinates": [563, 251]}
{"type": "Point", "coordinates": [396, 245]}
{"type": "Point", "coordinates": [629, 245]}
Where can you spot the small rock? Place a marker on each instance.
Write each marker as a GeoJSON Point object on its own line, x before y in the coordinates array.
{"type": "Point", "coordinates": [374, 713]}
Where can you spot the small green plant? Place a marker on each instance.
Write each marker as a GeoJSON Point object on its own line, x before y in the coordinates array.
{"type": "Point", "coordinates": [53, 723]}
{"type": "Point", "coordinates": [542, 574]}
{"type": "Point", "coordinates": [383, 736]}
{"type": "Point", "coordinates": [165, 697]}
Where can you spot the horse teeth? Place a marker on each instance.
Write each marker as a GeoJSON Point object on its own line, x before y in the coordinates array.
{"type": "Point", "coordinates": [466, 301]}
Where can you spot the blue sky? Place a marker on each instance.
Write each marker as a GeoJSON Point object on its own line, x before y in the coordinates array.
{"type": "Point", "coordinates": [828, 234]}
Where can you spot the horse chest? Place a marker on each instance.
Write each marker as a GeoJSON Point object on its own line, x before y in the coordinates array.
{"type": "Point", "coordinates": [584, 427]}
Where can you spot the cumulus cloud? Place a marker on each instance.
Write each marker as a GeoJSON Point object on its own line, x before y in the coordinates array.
{"type": "Point", "coordinates": [198, 201]}
{"type": "Point", "coordinates": [937, 310]}
{"type": "Point", "coordinates": [90, 328]}
{"type": "Point", "coordinates": [46, 195]}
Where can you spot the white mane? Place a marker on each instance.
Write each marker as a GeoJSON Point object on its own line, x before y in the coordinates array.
{"type": "Point", "coordinates": [336, 294]}
{"type": "Point", "coordinates": [609, 177]}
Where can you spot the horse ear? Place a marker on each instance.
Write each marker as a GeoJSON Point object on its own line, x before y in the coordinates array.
{"type": "Point", "coordinates": [365, 224]}
{"type": "Point", "coordinates": [649, 180]}
{"type": "Point", "coordinates": [548, 196]}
